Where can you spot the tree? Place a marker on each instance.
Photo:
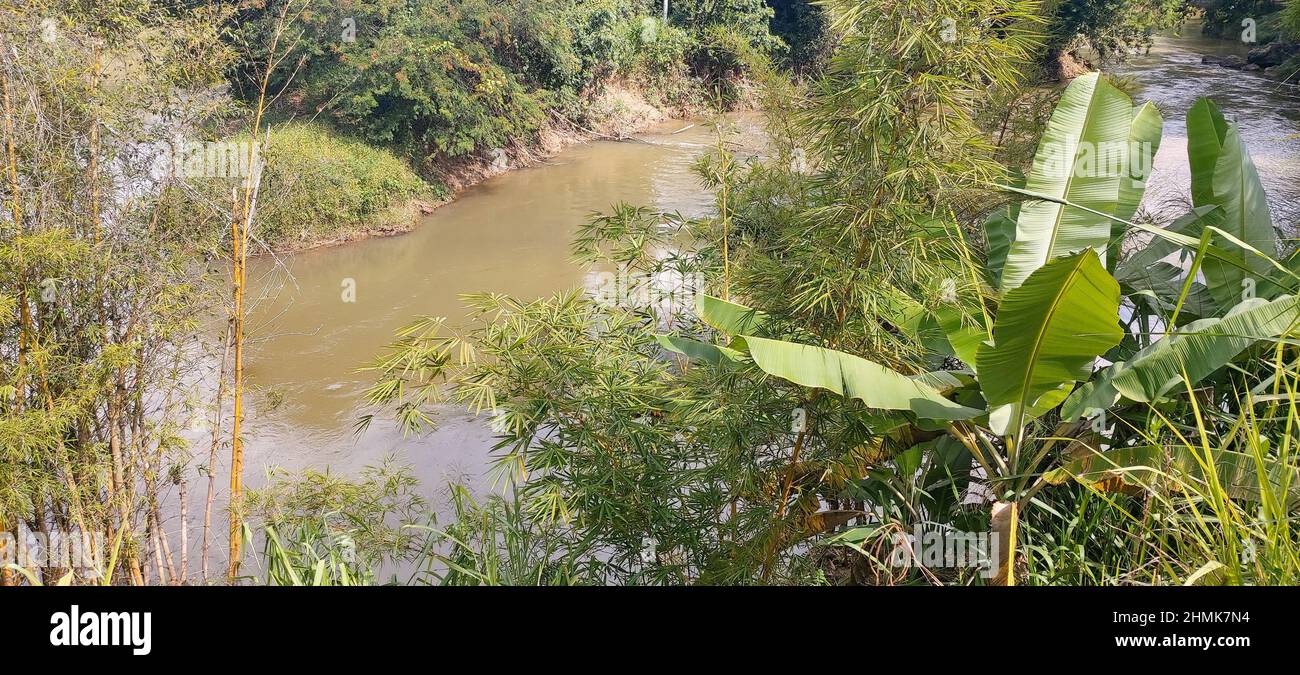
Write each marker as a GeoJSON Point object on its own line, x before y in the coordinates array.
{"type": "Point", "coordinates": [99, 293]}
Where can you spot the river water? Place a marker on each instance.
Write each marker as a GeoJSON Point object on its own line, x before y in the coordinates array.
{"type": "Point", "coordinates": [512, 234]}
{"type": "Point", "coordinates": [1267, 111]}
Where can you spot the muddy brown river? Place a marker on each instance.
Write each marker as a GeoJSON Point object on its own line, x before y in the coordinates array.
{"type": "Point", "coordinates": [511, 234]}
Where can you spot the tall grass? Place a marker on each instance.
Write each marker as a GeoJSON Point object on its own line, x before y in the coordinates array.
{"type": "Point", "coordinates": [1221, 510]}
{"type": "Point", "coordinates": [488, 542]}
{"type": "Point", "coordinates": [496, 543]}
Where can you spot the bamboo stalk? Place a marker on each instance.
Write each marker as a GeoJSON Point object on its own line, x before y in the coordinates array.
{"type": "Point", "coordinates": [241, 227]}
{"type": "Point", "coordinates": [216, 442]}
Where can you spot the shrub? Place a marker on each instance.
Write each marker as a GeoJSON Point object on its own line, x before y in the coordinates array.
{"type": "Point", "coordinates": [444, 80]}
{"type": "Point", "coordinates": [326, 186]}
{"type": "Point", "coordinates": [1223, 19]}
{"type": "Point", "coordinates": [316, 186]}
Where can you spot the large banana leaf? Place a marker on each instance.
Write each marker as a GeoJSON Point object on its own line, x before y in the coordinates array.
{"type": "Point", "coordinates": [1161, 284]}
{"type": "Point", "coordinates": [1199, 349]}
{"type": "Point", "coordinates": [728, 317]}
{"type": "Point", "coordinates": [696, 350]}
{"type": "Point", "coordinates": [1224, 175]}
{"type": "Point", "coordinates": [1231, 255]}
{"type": "Point", "coordinates": [1049, 331]}
{"type": "Point", "coordinates": [1158, 249]}
{"type": "Point", "coordinates": [1115, 470]}
{"type": "Point", "coordinates": [1081, 159]}
{"type": "Point", "coordinates": [853, 377]}
{"type": "Point", "coordinates": [1143, 143]}
{"type": "Point", "coordinates": [999, 231]}
{"type": "Point", "coordinates": [963, 338]}
{"type": "Point", "coordinates": [1206, 130]}
{"type": "Point", "coordinates": [1142, 467]}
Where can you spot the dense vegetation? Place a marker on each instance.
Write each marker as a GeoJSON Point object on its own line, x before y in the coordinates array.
{"type": "Point", "coordinates": [327, 189]}
{"type": "Point", "coordinates": [441, 80]}
{"type": "Point", "coordinates": [1111, 26]}
{"type": "Point", "coordinates": [922, 354]}
{"type": "Point", "coordinates": [931, 305]}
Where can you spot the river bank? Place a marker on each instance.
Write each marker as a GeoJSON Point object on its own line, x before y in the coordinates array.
{"type": "Point", "coordinates": [620, 112]}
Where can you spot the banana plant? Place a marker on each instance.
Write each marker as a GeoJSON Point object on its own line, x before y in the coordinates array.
{"type": "Point", "coordinates": [1223, 175]}
{"type": "Point", "coordinates": [1052, 345]}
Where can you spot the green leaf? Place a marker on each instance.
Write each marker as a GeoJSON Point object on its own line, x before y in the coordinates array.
{"type": "Point", "coordinates": [963, 339]}
{"type": "Point", "coordinates": [943, 380]}
{"type": "Point", "coordinates": [1162, 283]}
{"type": "Point", "coordinates": [728, 317]}
{"type": "Point", "coordinates": [1159, 248]}
{"type": "Point", "coordinates": [1237, 472]}
{"type": "Point", "coordinates": [1197, 350]}
{"type": "Point", "coordinates": [853, 377]}
{"type": "Point", "coordinates": [1135, 466]}
{"type": "Point", "coordinates": [1212, 573]}
{"type": "Point", "coordinates": [1206, 130]}
{"type": "Point", "coordinates": [1223, 175]}
{"type": "Point", "coordinates": [1003, 417]}
{"type": "Point", "coordinates": [1081, 160]}
{"type": "Point", "coordinates": [1230, 256]}
{"type": "Point", "coordinates": [1143, 143]}
{"type": "Point", "coordinates": [696, 350]}
{"type": "Point", "coordinates": [1049, 332]}
{"type": "Point", "coordinates": [1144, 466]}
{"type": "Point", "coordinates": [999, 230]}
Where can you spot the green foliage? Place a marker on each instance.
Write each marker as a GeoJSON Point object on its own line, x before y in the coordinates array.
{"type": "Point", "coordinates": [1093, 121]}
{"type": "Point", "coordinates": [1224, 176]}
{"type": "Point", "coordinates": [322, 529]}
{"type": "Point", "coordinates": [694, 472]}
{"type": "Point", "coordinates": [1051, 329]}
{"type": "Point", "coordinates": [598, 433]}
{"type": "Point", "coordinates": [1223, 18]}
{"type": "Point", "coordinates": [1048, 333]}
{"type": "Point", "coordinates": [423, 80]}
{"type": "Point", "coordinates": [446, 80]}
{"type": "Point", "coordinates": [875, 157]}
{"type": "Point", "coordinates": [852, 377]}
{"type": "Point", "coordinates": [1110, 26]}
{"type": "Point", "coordinates": [494, 542]}
{"type": "Point", "coordinates": [804, 27]}
{"type": "Point", "coordinates": [747, 19]}
{"type": "Point", "coordinates": [98, 275]}
{"type": "Point", "coordinates": [326, 187]}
